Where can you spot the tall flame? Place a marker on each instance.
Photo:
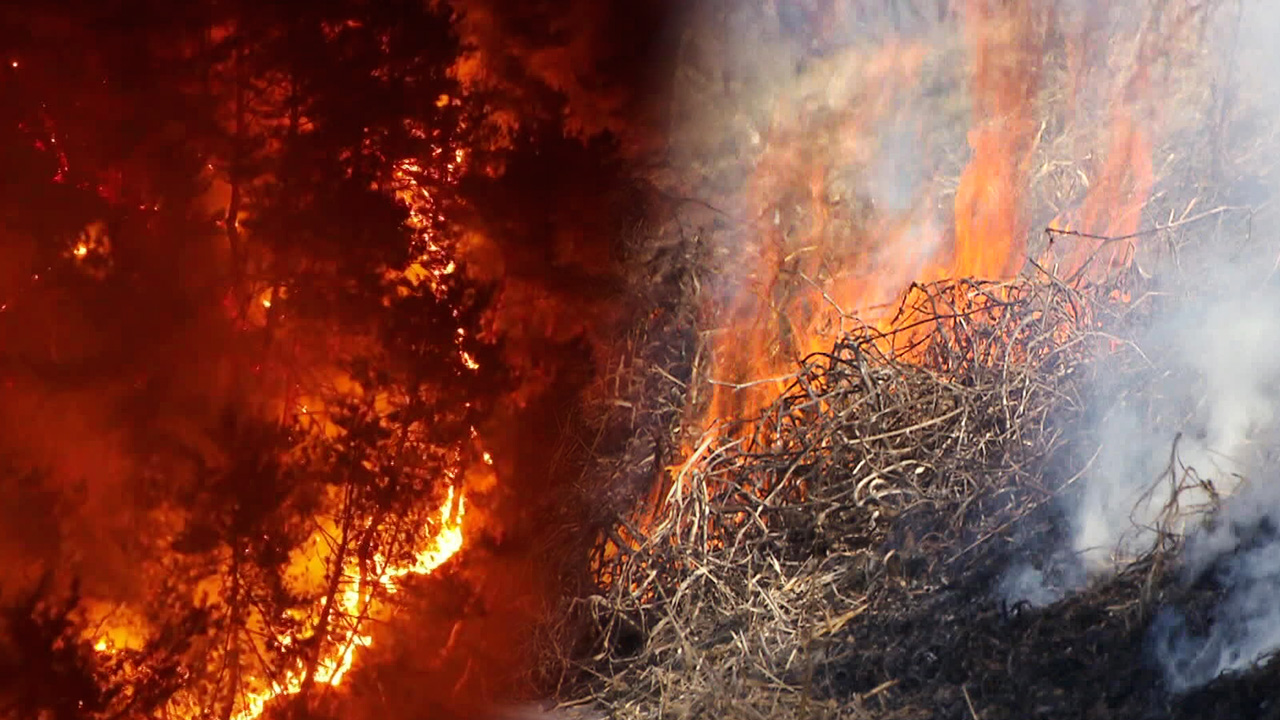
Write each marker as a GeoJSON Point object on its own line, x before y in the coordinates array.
{"type": "Point", "coordinates": [814, 261]}
{"type": "Point", "coordinates": [357, 588]}
{"type": "Point", "coordinates": [818, 263]}
{"type": "Point", "coordinates": [990, 216]}
{"type": "Point", "coordinates": [1113, 207]}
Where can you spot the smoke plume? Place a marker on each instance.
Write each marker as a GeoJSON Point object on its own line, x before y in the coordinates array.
{"type": "Point", "coordinates": [1203, 471]}
{"type": "Point", "coordinates": [1238, 551]}
{"type": "Point", "coordinates": [1235, 552]}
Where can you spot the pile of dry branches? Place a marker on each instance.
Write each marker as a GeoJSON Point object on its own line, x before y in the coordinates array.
{"type": "Point", "coordinates": [871, 486]}
{"type": "Point", "coordinates": [839, 555]}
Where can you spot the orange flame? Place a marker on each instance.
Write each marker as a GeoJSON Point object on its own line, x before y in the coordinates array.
{"type": "Point", "coordinates": [353, 601]}
{"type": "Point", "coordinates": [1113, 207]}
{"type": "Point", "coordinates": [817, 268]}
{"type": "Point", "coordinates": [990, 218]}
{"type": "Point", "coordinates": [809, 270]}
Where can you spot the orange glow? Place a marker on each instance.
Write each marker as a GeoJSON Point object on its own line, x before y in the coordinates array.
{"type": "Point", "coordinates": [353, 601]}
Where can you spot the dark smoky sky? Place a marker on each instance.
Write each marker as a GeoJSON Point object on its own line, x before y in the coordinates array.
{"type": "Point", "coordinates": [97, 380]}
{"type": "Point", "coordinates": [611, 60]}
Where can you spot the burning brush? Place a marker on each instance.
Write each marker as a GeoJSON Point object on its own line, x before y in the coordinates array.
{"type": "Point", "coordinates": [961, 418]}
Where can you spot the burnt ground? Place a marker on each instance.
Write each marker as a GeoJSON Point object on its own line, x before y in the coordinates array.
{"type": "Point", "coordinates": [958, 651]}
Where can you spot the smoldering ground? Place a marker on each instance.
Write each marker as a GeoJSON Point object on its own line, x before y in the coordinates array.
{"type": "Point", "coordinates": [1183, 456]}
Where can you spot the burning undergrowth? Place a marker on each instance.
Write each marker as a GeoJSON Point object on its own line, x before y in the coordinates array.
{"type": "Point", "coordinates": [1032, 495]}
{"type": "Point", "coordinates": [870, 483]}
{"type": "Point", "coordinates": [925, 537]}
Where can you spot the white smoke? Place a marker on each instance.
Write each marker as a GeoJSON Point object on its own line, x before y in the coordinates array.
{"type": "Point", "coordinates": [1239, 551]}
{"type": "Point", "coordinates": [1237, 548]}
{"type": "Point", "coordinates": [1034, 586]}
{"type": "Point", "coordinates": [1218, 360]}
{"type": "Point", "coordinates": [1194, 452]}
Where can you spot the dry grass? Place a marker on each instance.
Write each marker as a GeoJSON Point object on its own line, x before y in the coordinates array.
{"type": "Point", "coordinates": [869, 479]}
{"type": "Point", "coordinates": [835, 556]}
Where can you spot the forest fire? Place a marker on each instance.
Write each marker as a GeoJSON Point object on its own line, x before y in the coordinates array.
{"type": "Point", "coordinates": [337, 627]}
{"type": "Point", "coordinates": [271, 353]}
{"type": "Point", "coordinates": [356, 602]}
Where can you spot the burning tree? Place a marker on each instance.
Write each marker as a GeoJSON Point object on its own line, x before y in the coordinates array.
{"type": "Point", "coordinates": [276, 284]}
{"type": "Point", "coordinates": [234, 233]}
